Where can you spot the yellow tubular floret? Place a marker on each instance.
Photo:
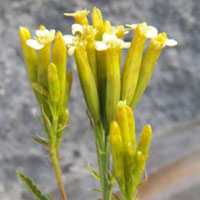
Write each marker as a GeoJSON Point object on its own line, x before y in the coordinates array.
{"type": "Point", "coordinates": [132, 63]}
{"type": "Point", "coordinates": [29, 53]}
{"type": "Point", "coordinates": [97, 21]}
{"type": "Point", "coordinates": [59, 58]}
{"type": "Point", "coordinates": [148, 63]}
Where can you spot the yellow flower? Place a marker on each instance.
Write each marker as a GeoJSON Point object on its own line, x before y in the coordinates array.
{"type": "Point", "coordinates": [80, 16]}
{"type": "Point", "coordinates": [148, 31]}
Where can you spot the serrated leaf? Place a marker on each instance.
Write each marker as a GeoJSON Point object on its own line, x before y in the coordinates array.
{"type": "Point", "coordinates": [40, 140]}
{"type": "Point", "coordinates": [94, 174]}
{"type": "Point", "coordinates": [33, 189]}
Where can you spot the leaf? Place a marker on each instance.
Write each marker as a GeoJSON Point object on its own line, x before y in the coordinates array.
{"type": "Point", "coordinates": [38, 88]}
{"type": "Point", "coordinates": [40, 140]}
{"type": "Point", "coordinates": [29, 184]}
{"type": "Point", "coordinates": [115, 196]}
{"type": "Point", "coordinates": [50, 197]}
{"type": "Point", "coordinates": [94, 174]}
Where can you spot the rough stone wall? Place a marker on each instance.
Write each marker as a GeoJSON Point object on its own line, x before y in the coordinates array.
{"type": "Point", "coordinates": [172, 97]}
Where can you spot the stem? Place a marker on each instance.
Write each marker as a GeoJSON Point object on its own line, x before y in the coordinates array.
{"type": "Point", "coordinates": [57, 171]}
{"type": "Point", "coordinates": [54, 152]}
{"type": "Point", "coordinates": [103, 155]}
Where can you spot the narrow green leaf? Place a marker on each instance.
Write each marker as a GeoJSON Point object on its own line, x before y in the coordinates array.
{"type": "Point", "coordinates": [40, 140]}
{"type": "Point", "coordinates": [39, 89]}
{"type": "Point", "coordinates": [115, 196]}
{"type": "Point", "coordinates": [94, 174]}
{"type": "Point", "coordinates": [33, 189]}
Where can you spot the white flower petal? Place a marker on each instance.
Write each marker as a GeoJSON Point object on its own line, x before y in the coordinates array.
{"type": "Point", "coordinates": [77, 28]}
{"type": "Point", "coordinates": [52, 32]}
{"type": "Point", "coordinates": [125, 45]}
{"type": "Point", "coordinates": [34, 44]}
{"type": "Point", "coordinates": [71, 50]}
{"type": "Point", "coordinates": [151, 32]}
{"type": "Point", "coordinates": [126, 32]}
{"type": "Point", "coordinates": [68, 39]}
{"type": "Point", "coordinates": [171, 42]}
{"type": "Point", "coordinates": [44, 32]}
{"type": "Point", "coordinates": [38, 33]}
{"type": "Point", "coordinates": [100, 46]}
{"type": "Point", "coordinates": [133, 26]}
{"type": "Point", "coordinates": [109, 37]}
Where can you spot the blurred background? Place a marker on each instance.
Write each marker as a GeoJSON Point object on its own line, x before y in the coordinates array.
{"type": "Point", "coordinates": [171, 103]}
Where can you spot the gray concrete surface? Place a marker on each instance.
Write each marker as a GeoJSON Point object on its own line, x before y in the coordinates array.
{"type": "Point", "coordinates": [172, 97]}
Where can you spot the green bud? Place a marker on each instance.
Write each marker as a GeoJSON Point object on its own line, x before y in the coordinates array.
{"type": "Point", "coordinates": [67, 88]}
{"type": "Point", "coordinates": [53, 83]}
{"type": "Point", "coordinates": [144, 142]}
{"type": "Point", "coordinates": [87, 82]}
{"type": "Point", "coordinates": [63, 121]}
{"type": "Point", "coordinates": [43, 62]}
{"type": "Point", "coordinates": [117, 155]}
{"type": "Point", "coordinates": [91, 52]}
{"type": "Point", "coordinates": [112, 82]}
{"type": "Point", "coordinates": [122, 120]}
{"type": "Point", "coordinates": [131, 124]}
{"type": "Point", "coordinates": [101, 76]}
{"type": "Point", "coordinates": [59, 58]}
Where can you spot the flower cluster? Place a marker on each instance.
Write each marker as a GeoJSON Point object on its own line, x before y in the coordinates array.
{"type": "Point", "coordinates": [47, 73]}
{"type": "Point", "coordinates": [129, 161]}
{"type": "Point", "coordinates": [107, 85]}
{"type": "Point", "coordinates": [111, 91]}
{"type": "Point", "coordinates": [98, 50]}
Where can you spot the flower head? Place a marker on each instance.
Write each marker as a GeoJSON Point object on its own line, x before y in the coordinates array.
{"type": "Point", "coordinates": [120, 31]}
{"type": "Point", "coordinates": [161, 40]}
{"type": "Point", "coordinates": [74, 42]}
{"type": "Point", "coordinates": [80, 16]}
{"type": "Point", "coordinates": [110, 41]}
{"type": "Point", "coordinates": [86, 31]}
{"type": "Point", "coordinates": [147, 31]}
{"type": "Point", "coordinates": [42, 37]}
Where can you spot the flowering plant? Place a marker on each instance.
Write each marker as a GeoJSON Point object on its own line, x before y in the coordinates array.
{"type": "Point", "coordinates": [110, 94]}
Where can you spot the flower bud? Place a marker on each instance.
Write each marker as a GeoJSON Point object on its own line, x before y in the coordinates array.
{"type": "Point", "coordinates": [53, 83]}
{"type": "Point", "coordinates": [87, 82]}
{"type": "Point", "coordinates": [132, 63]}
{"type": "Point", "coordinates": [30, 56]}
{"type": "Point", "coordinates": [112, 82]}
{"type": "Point", "coordinates": [122, 119]}
{"type": "Point", "coordinates": [148, 62]}
{"type": "Point", "coordinates": [117, 151]}
{"type": "Point", "coordinates": [107, 27]}
{"type": "Point", "coordinates": [80, 16]}
{"type": "Point", "coordinates": [59, 58]}
{"type": "Point", "coordinates": [68, 85]}
{"type": "Point", "coordinates": [144, 142]}
{"type": "Point", "coordinates": [64, 118]}
{"type": "Point", "coordinates": [43, 63]}
{"type": "Point", "coordinates": [97, 21]}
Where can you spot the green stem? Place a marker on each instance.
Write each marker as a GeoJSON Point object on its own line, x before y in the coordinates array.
{"type": "Point", "coordinates": [103, 155]}
{"type": "Point", "coordinates": [57, 171]}
{"type": "Point", "coordinates": [54, 152]}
